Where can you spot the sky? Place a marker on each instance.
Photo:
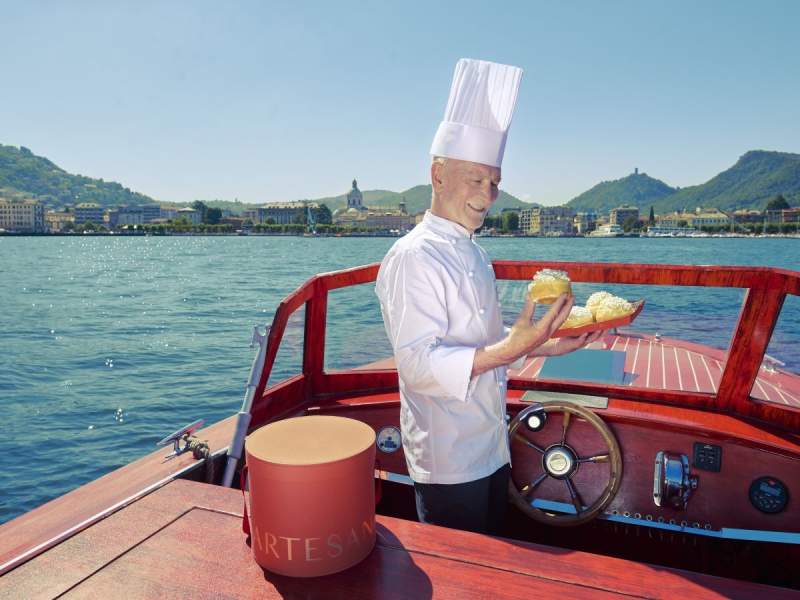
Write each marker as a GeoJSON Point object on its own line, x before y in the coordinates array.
{"type": "Point", "coordinates": [272, 101]}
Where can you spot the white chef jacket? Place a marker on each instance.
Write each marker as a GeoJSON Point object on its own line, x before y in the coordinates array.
{"type": "Point", "coordinates": [439, 302]}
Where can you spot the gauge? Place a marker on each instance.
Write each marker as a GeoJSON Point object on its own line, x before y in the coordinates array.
{"type": "Point", "coordinates": [769, 495]}
{"type": "Point", "coordinates": [388, 439]}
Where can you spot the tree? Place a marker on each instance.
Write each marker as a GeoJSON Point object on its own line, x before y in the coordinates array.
{"type": "Point", "coordinates": [778, 203]}
{"type": "Point", "coordinates": [214, 215]}
{"type": "Point", "coordinates": [629, 223]}
{"type": "Point", "coordinates": [683, 223]}
{"type": "Point", "coordinates": [322, 215]}
{"type": "Point", "coordinates": [201, 207]}
{"type": "Point", "coordinates": [510, 221]}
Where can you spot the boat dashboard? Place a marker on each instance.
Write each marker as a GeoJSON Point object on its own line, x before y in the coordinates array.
{"type": "Point", "coordinates": [701, 474]}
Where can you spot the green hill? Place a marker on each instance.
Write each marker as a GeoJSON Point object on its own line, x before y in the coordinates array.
{"type": "Point", "coordinates": [22, 173]}
{"type": "Point", "coordinates": [755, 178]}
{"type": "Point", "coordinates": [637, 189]}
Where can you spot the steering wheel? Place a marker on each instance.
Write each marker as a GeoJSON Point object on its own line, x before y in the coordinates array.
{"type": "Point", "coordinates": [560, 462]}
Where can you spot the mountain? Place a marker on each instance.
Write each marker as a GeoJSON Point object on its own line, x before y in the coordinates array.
{"type": "Point", "coordinates": [22, 173]}
{"type": "Point", "coordinates": [755, 178]}
{"type": "Point", "coordinates": [637, 189]}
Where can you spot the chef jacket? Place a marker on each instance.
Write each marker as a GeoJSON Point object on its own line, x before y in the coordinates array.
{"type": "Point", "coordinates": [439, 302]}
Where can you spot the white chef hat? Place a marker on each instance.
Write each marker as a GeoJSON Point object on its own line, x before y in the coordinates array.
{"type": "Point", "coordinates": [479, 111]}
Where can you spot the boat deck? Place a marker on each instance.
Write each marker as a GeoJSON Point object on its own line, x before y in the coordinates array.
{"type": "Point", "coordinates": [185, 541]}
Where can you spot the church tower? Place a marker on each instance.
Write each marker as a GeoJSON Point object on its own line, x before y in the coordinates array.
{"type": "Point", "coordinates": [354, 197]}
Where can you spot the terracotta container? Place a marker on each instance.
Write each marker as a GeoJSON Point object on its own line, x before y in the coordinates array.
{"type": "Point", "coordinates": [312, 494]}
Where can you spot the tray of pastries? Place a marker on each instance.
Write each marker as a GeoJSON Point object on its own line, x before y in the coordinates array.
{"type": "Point", "coordinates": [602, 311]}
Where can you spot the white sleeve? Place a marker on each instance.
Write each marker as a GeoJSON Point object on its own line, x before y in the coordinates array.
{"type": "Point", "coordinates": [414, 306]}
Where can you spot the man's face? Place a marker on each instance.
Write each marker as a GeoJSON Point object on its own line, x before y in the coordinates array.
{"type": "Point", "coordinates": [464, 191]}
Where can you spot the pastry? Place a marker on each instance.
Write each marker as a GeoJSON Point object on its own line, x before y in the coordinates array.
{"type": "Point", "coordinates": [595, 300]}
{"type": "Point", "coordinates": [613, 308]}
{"type": "Point", "coordinates": [548, 285]}
{"type": "Point", "coordinates": [578, 317]}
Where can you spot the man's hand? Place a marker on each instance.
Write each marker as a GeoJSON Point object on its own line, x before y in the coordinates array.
{"type": "Point", "coordinates": [525, 336]}
{"type": "Point", "coordinates": [565, 345]}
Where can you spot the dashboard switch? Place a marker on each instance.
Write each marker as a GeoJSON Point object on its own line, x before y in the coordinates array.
{"type": "Point", "coordinates": [707, 457]}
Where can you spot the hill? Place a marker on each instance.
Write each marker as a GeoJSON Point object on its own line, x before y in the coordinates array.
{"type": "Point", "coordinates": [755, 178]}
{"type": "Point", "coordinates": [637, 189]}
{"type": "Point", "coordinates": [22, 173]}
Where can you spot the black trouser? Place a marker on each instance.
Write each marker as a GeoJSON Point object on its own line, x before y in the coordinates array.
{"type": "Point", "coordinates": [478, 505]}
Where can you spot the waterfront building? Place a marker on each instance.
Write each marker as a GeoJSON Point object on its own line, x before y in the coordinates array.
{"type": "Point", "coordinates": [376, 218]}
{"type": "Point", "coordinates": [279, 213]}
{"type": "Point", "coordinates": [22, 215]}
{"type": "Point", "coordinates": [619, 215]}
{"type": "Point", "coordinates": [675, 219]}
{"type": "Point", "coordinates": [709, 218]}
{"type": "Point", "coordinates": [88, 211]}
{"type": "Point", "coordinates": [190, 214]}
{"type": "Point", "coordinates": [150, 212]}
{"type": "Point", "coordinates": [124, 215]}
{"type": "Point", "coordinates": [168, 212]}
{"type": "Point", "coordinates": [746, 216]}
{"type": "Point", "coordinates": [781, 216]}
{"type": "Point", "coordinates": [547, 220]}
{"type": "Point", "coordinates": [790, 215]}
{"type": "Point", "coordinates": [585, 222]}
{"type": "Point", "coordinates": [57, 221]}
{"type": "Point", "coordinates": [355, 214]}
{"type": "Point", "coordinates": [355, 199]}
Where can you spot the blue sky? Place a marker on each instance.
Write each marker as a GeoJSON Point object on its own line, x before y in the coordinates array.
{"type": "Point", "coordinates": [266, 101]}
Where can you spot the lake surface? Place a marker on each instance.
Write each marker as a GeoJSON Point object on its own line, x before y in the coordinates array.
{"type": "Point", "coordinates": [107, 344]}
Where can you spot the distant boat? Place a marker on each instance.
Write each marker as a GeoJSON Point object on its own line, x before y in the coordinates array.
{"type": "Point", "coordinates": [663, 231]}
{"type": "Point", "coordinates": [607, 231]}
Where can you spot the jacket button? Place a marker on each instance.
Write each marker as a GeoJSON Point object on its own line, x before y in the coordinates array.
{"type": "Point", "coordinates": [481, 311]}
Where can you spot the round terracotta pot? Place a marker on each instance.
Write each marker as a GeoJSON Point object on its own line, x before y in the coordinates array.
{"type": "Point", "coordinates": [312, 494]}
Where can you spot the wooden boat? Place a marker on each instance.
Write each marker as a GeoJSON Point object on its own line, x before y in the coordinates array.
{"type": "Point", "coordinates": [681, 481]}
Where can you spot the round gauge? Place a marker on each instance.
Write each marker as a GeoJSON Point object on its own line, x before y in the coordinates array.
{"type": "Point", "coordinates": [388, 439]}
{"type": "Point", "coordinates": [769, 495]}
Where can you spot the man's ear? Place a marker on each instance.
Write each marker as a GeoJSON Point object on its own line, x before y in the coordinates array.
{"type": "Point", "coordinates": [436, 175]}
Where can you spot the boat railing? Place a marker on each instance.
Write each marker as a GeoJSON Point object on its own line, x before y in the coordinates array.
{"type": "Point", "coordinates": [765, 291]}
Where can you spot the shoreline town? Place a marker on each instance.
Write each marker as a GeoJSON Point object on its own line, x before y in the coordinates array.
{"type": "Point", "coordinates": [27, 216]}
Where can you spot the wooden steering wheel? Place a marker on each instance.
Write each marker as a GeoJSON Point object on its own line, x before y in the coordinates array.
{"type": "Point", "coordinates": [560, 461]}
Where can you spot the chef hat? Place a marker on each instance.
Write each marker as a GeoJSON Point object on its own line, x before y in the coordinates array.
{"type": "Point", "coordinates": [479, 111]}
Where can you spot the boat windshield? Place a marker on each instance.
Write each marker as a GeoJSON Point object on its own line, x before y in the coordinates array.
{"type": "Point", "coordinates": [700, 341]}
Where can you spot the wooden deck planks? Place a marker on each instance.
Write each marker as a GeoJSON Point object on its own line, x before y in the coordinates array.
{"type": "Point", "coordinates": [42, 526]}
{"type": "Point", "coordinates": [185, 540]}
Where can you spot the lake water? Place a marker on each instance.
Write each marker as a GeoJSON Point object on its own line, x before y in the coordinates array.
{"type": "Point", "coordinates": [107, 344]}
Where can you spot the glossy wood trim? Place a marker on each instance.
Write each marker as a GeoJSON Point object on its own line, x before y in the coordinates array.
{"type": "Point", "coordinates": [757, 319]}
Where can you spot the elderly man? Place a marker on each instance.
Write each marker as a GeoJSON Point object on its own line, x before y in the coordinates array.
{"type": "Point", "coordinates": [440, 306]}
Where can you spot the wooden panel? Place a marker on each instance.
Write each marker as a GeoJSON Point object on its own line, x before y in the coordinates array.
{"type": "Point", "coordinates": [642, 430]}
{"type": "Point", "coordinates": [44, 525]}
{"type": "Point", "coordinates": [185, 541]}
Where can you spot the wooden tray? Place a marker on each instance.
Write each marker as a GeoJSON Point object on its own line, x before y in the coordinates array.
{"type": "Point", "coordinates": [602, 325]}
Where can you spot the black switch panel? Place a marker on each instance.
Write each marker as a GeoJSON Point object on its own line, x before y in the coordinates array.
{"type": "Point", "coordinates": [707, 457]}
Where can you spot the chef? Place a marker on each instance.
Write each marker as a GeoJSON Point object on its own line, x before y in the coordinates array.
{"type": "Point", "coordinates": [439, 302]}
